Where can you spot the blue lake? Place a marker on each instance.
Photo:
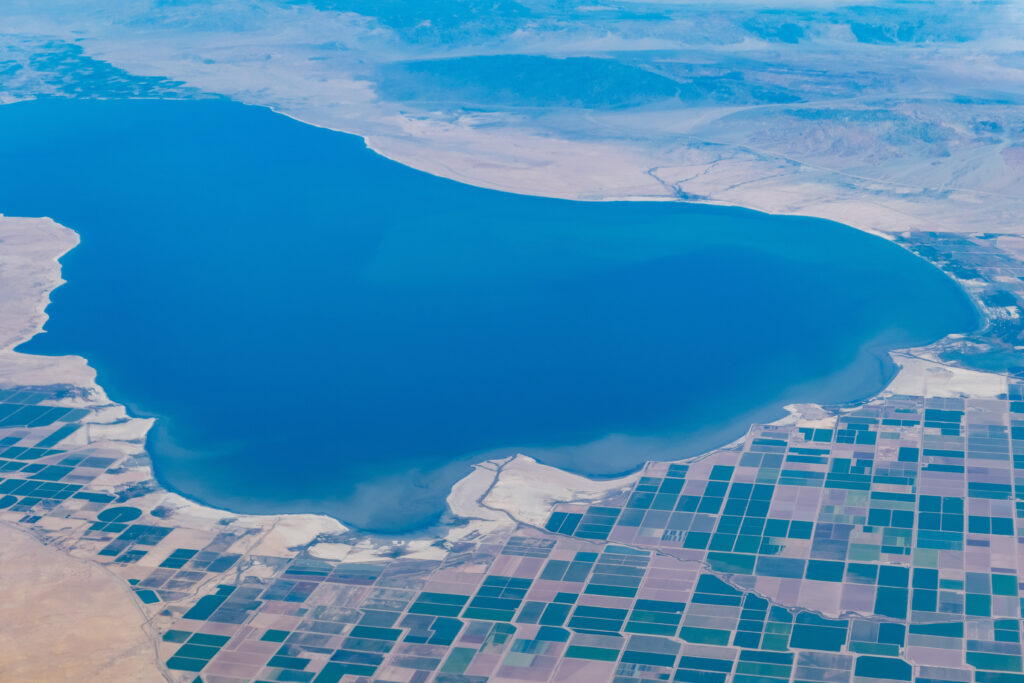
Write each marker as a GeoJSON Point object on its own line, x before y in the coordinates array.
{"type": "Point", "coordinates": [320, 329]}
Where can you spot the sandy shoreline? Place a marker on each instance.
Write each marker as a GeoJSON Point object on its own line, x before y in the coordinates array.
{"type": "Point", "coordinates": [497, 498]}
{"type": "Point", "coordinates": [716, 443]}
{"type": "Point", "coordinates": [618, 159]}
{"type": "Point", "coordinates": [463, 501]}
{"type": "Point", "coordinates": [76, 370]}
{"type": "Point", "coordinates": [30, 249]}
{"type": "Point", "coordinates": [863, 217]}
{"type": "Point", "coordinates": [665, 449]}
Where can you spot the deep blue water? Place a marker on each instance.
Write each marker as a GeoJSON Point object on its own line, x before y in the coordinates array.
{"type": "Point", "coordinates": [321, 329]}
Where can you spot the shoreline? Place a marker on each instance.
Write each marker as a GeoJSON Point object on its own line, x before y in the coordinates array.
{"type": "Point", "coordinates": [669, 448]}
{"type": "Point", "coordinates": [737, 427]}
{"type": "Point", "coordinates": [368, 141]}
{"type": "Point", "coordinates": [496, 501]}
{"type": "Point", "coordinates": [307, 587]}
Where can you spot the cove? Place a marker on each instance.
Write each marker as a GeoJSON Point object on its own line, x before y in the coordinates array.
{"type": "Point", "coordinates": [320, 329]}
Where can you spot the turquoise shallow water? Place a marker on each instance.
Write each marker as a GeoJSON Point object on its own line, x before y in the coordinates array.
{"type": "Point", "coordinates": [321, 329]}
